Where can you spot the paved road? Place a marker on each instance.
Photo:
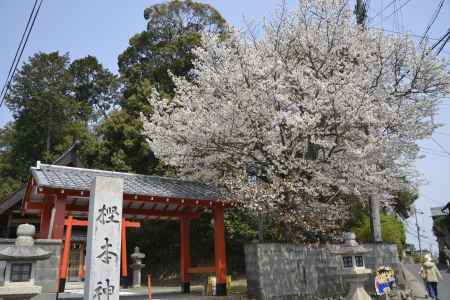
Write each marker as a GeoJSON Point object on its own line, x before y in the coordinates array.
{"type": "Point", "coordinates": [444, 286]}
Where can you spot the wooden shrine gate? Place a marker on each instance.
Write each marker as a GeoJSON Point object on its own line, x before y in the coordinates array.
{"type": "Point", "coordinates": [61, 196]}
{"type": "Point", "coordinates": [64, 265]}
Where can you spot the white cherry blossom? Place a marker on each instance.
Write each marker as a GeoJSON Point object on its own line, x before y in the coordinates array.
{"type": "Point", "coordinates": [313, 109]}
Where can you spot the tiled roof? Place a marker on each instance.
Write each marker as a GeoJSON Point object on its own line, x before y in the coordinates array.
{"type": "Point", "coordinates": [81, 179]}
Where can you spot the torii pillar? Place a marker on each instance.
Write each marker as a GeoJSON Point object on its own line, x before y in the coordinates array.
{"type": "Point", "coordinates": [185, 254]}
{"type": "Point", "coordinates": [219, 251]}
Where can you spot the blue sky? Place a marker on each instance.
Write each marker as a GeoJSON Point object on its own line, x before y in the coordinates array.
{"type": "Point", "coordinates": [102, 28]}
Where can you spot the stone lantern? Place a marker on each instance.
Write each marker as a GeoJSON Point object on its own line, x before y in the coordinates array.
{"type": "Point", "coordinates": [21, 262]}
{"type": "Point", "coordinates": [137, 266]}
{"type": "Point", "coordinates": [353, 266]}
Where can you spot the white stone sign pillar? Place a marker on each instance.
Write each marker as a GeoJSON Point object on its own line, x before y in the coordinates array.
{"type": "Point", "coordinates": [103, 239]}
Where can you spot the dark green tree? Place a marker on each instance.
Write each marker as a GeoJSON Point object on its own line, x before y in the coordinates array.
{"type": "Point", "coordinates": [121, 146]}
{"type": "Point", "coordinates": [42, 105]}
{"type": "Point", "coordinates": [173, 30]}
{"type": "Point", "coordinates": [10, 170]}
{"type": "Point", "coordinates": [52, 101]}
{"type": "Point", "coordinates": [402, 202]}
{"type": "Point", "coordinates": [96, 89]}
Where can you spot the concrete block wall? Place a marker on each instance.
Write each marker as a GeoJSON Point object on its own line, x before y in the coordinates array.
{"type": "Point", "coordinates": [383, 255]}
{"type": "Point", "coordinates": [47, 270]}
{"type": "Point", "coordinates": [285, 272]}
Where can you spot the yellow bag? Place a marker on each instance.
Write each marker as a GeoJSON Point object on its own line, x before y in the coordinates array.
{"type": "Point", "coordinates": [423, 274]}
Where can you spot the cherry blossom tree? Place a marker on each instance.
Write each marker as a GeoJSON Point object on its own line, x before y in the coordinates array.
{"type": "Point", "coordinates": [293, 120]}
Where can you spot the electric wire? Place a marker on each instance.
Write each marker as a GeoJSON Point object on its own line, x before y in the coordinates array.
{"type": "Point", "coordinates": [21, 52]}
{"type": "Point", "coordinates": [413, 34]}
{"type": "Point", "coordinates": [382, 10]}
{"type": "Point", "coordinates": [410, 33]}
{"type": "Point", "coordinates": [397, 22]}
{"type": "Point", "coordinates": [440, 146]}
{"type": "Point", "coordinates": [434, 154]}
{"type": "Point", "coordinates": [442, 133]}
{"type": "Point", "coordinates": [18, 47]}
{"type": "Point", "coordinates": [440, 40]}
{"type": "Point", "coordinates": [441, 48]}
{"type": "Point", "coordinates": [434, 151]}
{"type": "Point", "coordinates": [432, 21]}
{"type": "Point", "coordinates": [395, 11]}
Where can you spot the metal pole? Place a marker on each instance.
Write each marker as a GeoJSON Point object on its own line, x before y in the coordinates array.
{"type": "Point", "coordinates": [361, 12]}
{"type": "Point", "coordinates": [418, 232]}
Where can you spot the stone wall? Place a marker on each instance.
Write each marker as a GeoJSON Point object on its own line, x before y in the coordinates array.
{"type": "Point", "coordinates": [285, 272]}
{"type": "Point", "coordinates": [47, 270]}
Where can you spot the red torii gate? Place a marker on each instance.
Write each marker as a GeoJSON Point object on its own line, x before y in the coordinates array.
{"type": "Point", "coordinates": [71, 222]}
{"type": "Point", "coordinates": [58, 202]}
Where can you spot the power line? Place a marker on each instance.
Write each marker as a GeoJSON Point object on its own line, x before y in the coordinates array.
{"type": "Point", "coordinates": [21, 52]}
{"type": "Point", "coordinates": [444, 43]}
{"type": "Point", "coordinates": [398, 32]}
{"type": "Point", "coordinates": [395, 11]}
{"type": "Point", "coordinates": [435, 154]}
{"type": "Point", "coordinates": [440, 146]}
{"type": "Point", "coordinates": [19, 46]}
{"type": "Point", "coordinates": [434, 151]}
{"type": "Point", "coordinates": [440, 40]}
{"type": "Point", "coordinates": [418, 231]}
{"type": "Point", "coordinates": [382, 10]}
{"type": "Point", "coordinates": [397, 21]}
{"type": "Point", "coordinates": [442, 133]}
{"type": "Point", "coordinates": [413, 34]}
{"type": "Point", "coordinates": [433, 19]}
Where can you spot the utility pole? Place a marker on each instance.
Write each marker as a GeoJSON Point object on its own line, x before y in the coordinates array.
{"type": "Point", "coordinates": [418, 232]}
{"type": "Point", "coordinates": [374, 201]}
{"type": "Point", "coordinates": [361, 12]}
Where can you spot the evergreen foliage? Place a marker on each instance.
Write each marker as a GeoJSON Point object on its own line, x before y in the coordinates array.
{"type": "Point", "coordinates": [393, 231]}
{"type": "Point", "coordinates": [174, 29]}
{"type": "Point", "coordinates": [54, 102]}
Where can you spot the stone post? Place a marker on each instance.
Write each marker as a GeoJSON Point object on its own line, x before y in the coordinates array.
{"type": "Point", "coordinates": [103, 239]}
{"type": "Point", "coordinates": [375, 219]}
{"type": "Point", "coordinates": [137, 266]}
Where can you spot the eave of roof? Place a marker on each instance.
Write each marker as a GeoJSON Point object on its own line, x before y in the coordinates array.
{"type": "Point", "coordinates": [80, 179]}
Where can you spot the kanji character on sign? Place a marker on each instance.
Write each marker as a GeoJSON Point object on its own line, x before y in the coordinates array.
{"type": "Point", "coordinates": [107, 254]}
{"type": "Point", "coordinates": [108, 214]}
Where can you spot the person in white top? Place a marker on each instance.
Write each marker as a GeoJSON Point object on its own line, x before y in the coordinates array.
{"type": "Point", "coordinates": [431, 276]}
